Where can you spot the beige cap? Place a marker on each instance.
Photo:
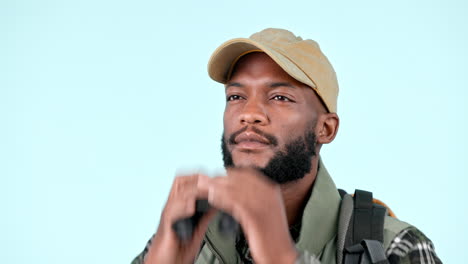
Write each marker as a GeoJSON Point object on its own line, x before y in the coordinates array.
{"type": "Point", "coordinates": [302, 59]}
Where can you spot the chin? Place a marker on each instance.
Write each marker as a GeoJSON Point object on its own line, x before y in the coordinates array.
{"type": "Point", "coordinates": [250, 160]}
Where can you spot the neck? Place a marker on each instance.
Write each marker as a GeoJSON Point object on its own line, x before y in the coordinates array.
{"type": "Point", "coordinates": [296, 194]}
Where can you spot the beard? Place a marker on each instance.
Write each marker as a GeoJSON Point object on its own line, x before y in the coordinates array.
{"type": "Point", "coordinates": [287, 165]}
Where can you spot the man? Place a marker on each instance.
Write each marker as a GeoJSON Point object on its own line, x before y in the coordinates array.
{"type": "Point", "coordinates": [281, 104]}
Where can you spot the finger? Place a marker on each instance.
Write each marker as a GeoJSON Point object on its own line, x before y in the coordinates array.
{"type": "Point", "coordinates": [182, 184]}
{"type": "Point", "coordinates": [179, 209]}
{"type": "Point", "coordinates": [203, 184]}
{"type": "Point", "coordinates": [185, 188]}
{"type": "Point", "coordinates": [181, 202]}
{"type": "Point", "coordinates": [223, 195]}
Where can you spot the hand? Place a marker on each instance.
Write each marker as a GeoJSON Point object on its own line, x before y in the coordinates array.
{"type": "Point", "coordinates": [166, 247]}
{"type": "Point", "coordinates": [257, 204]}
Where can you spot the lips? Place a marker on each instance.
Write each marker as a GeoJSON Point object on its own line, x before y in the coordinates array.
{"type": "Point", "coordinates": [250, 141]}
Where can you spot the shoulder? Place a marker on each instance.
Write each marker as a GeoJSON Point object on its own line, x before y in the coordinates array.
{"type": "Point", "coordinates": [405, 243]}
{"type": "Point", "coordinates": [392, 227]}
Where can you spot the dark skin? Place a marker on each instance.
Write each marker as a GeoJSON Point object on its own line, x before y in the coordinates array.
{"type": "Point", "coordinates": [262, 95]}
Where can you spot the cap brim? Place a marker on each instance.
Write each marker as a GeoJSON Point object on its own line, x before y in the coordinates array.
{"type": "Point", "coordinates": [223, 58]}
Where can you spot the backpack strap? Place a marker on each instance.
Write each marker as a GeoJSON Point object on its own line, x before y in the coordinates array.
{"type": "Point", "coordinates": [360, 229]}
{"type": "Point", "coordinates": [344, 220]}
{"type": "Point", "coordinates": [368, 218]}
{"type": "Point", "coordinates": [368, 251]}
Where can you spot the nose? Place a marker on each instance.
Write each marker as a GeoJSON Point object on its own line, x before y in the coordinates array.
{"type": "Point", "coordinates": [253, 112]}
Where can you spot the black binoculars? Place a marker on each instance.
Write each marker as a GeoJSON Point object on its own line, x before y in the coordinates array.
{"type": "Point", "coordinates": [185, 227]}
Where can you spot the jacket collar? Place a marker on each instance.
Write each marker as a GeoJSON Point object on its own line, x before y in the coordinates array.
{"type": "Point", "coordinates": [319, 220]}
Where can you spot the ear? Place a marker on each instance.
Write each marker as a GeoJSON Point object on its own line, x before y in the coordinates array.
{"type": "Point", "coordinates": [327, 127]}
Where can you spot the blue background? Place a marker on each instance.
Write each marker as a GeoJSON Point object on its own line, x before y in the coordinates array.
{"type": "Point", "coordinates": [103, 102]}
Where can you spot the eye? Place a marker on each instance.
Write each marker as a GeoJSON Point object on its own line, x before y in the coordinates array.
{"type": "Point", "coordinates": [233, 97]}
{"type": "Point", "coordinates": [281, 98]}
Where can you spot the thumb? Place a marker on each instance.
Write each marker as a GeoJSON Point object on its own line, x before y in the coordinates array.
{"type": "Point", "coordinates": [203, 225]}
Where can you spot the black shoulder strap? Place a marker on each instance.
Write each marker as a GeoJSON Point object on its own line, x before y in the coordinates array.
{"type": "Point", "coordinates": [364, 237]}
{"type": "Point", "coordinates": [367, 252]}
{"type": "Point", "coordinates": [368, 219]}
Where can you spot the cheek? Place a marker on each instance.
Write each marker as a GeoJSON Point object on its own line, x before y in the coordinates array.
{"type": "Point", "coordinates": [291, 127]}
{"type": "Point", "coordinates": [228, 121]}
{"type": "Point", "coordinates": [288, 120]}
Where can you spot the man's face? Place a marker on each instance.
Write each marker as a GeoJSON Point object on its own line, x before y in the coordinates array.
{"type": "Point", "coordinates": [269, 120]}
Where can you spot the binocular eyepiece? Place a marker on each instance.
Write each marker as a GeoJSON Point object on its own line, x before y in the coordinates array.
{"type": "Point", "coordinates": [185, 227]}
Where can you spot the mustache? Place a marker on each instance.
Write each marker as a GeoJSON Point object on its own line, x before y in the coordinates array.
{"type": "Point", "coordinates": [272, 139]}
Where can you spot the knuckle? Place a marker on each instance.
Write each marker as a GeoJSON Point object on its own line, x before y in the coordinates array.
{"type": "Point", "coordinates": [181, 181]}
{"type": "Point", "coordinates": [177, 181]}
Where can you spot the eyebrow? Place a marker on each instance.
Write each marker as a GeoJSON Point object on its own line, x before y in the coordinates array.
{"type": "Point", "coordinates": [233, 84]}
{"type": "Point", "coordinates": [281, 84]}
